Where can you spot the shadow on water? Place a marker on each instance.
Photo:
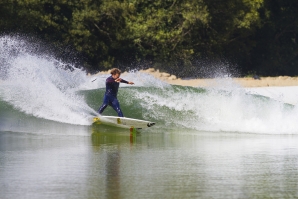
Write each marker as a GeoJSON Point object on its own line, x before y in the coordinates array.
{"type": "Point", "coordinates": [109, 145]}
{"type": "Point", "coordinates": [104, 134]}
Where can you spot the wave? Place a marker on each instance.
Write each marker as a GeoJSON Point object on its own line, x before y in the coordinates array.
{"type": "Point", "coordinates": [40, 88]}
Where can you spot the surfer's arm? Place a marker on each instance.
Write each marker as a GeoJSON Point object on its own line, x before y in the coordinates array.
{"type": "Point", "coordinates": [124, 81]}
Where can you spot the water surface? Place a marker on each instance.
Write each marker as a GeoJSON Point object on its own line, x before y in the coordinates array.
{"type": "Point", "coordinates": [148, 165]}
{"type": "Point", "coordinates": [213, 142]}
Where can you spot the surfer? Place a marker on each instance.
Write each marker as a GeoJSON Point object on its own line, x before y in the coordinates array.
{"type": "Point", "coordinates": [112, 85]}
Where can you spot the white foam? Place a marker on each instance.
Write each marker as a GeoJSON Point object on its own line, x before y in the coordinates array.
{"type": "Point", "coordinates": [229, 108]}
{"type": "Point", "coordinates": [39, 86]}
{"type": "Point", "coordinates": [287, 94]}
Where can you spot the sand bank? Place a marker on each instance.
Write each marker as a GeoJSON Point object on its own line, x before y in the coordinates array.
{"type": "Point", "coordinates": [245, 82]}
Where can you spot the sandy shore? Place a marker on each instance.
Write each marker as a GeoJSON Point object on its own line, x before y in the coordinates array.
{"type": "Point", "coordinates": [245, 82]}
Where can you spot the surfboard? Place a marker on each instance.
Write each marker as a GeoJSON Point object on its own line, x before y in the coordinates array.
{"type": "Point", "coordinates": [123, 122]}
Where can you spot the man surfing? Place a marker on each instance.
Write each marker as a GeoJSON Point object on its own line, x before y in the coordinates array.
{"type": "Point", "coordinates": [112, 85]}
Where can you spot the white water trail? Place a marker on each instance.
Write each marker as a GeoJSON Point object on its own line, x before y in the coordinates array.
{"type": "Point", "coordinates": [39, 85]}
{"type": "Point", "coordinates": [225, 108]}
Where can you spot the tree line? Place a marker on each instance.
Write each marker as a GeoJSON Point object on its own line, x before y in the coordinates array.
{"type": "Point", "coordinates": [259, 36]}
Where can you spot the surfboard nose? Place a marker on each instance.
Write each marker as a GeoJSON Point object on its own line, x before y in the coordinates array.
{"type": "Point", "coordinates": [150, 124]}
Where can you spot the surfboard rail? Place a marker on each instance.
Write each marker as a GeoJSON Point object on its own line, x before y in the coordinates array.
{"type": "Point", "coordinates": [123, 122]}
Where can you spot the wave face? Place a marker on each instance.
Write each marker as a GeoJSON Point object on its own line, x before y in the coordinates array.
{"type": "Point", "coordinates": [37, 88]}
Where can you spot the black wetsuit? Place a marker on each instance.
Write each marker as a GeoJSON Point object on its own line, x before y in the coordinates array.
{"type": "Point", "coordinates": [110, 97]}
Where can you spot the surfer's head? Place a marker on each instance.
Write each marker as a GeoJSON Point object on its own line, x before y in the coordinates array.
{"type": "Point", "coordinates": [115, 72]}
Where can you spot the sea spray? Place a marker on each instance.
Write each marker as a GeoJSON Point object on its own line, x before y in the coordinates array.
{"type": "Point", "coordinates": [44, 87]}
{"type": "Point", "coordinates": [226, 107]}
{"type": "Point", "coordinates": [39, 85]}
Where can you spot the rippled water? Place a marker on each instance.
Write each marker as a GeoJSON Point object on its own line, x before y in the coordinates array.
{"type": "Point", "coordinates": [105, 163]}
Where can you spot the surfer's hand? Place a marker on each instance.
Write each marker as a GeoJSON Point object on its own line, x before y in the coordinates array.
{"type": "Point", "coordinates": [118, 80]}
{"type": "Point", "coordinates": [131, 83]}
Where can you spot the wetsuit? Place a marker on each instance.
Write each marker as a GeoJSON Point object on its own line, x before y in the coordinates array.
{"type": "Point", "coordinates": [110, 97]}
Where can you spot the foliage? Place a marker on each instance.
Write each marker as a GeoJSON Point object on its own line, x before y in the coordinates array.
{"type": "Point", "coordinates": [276, 50]}
{"type": "Point", "coordinates": [258, 35]}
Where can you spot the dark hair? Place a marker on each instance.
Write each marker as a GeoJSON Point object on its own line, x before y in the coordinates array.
{"type": "Point", "coordinates": [115, 71]}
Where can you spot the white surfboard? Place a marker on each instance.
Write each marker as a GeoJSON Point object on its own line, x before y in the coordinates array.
{"type": "Point", "coordinates": [123, 122]}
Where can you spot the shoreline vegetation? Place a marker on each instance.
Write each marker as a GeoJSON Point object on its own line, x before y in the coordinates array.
{"type": "Point", "coordinates": [258, 36]}
{"type": "Point", "coordinates": [279, 81]}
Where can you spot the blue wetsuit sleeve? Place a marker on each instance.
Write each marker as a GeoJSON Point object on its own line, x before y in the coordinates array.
{"type": "Point", "coordinates": [110, 80]}
{"type": "Point", "coordinates": [124, 81]}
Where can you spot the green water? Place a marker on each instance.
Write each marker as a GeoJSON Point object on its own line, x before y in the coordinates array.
{"type": "Point", "coordinates": [112, 163]}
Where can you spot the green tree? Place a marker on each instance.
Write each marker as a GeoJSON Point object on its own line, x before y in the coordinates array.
{"type": "Point", "coordinates": [259, 35]}
{"type": "Point", "coordinates": [230, 31]}
{"type": "Point", "coordinates": [98, 30]}
{"type": "Point", "coordinates": [277, 50]}
{"type": "Point", "coordinates": [162, 30]}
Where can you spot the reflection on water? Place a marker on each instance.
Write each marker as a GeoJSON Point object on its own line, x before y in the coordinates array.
{"type": "Point", "coordinates": [112, 163]}
{"type": "Point", "coordinates": [101, 137]}
{"type": "Point", "coordinates": [102, 134]}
